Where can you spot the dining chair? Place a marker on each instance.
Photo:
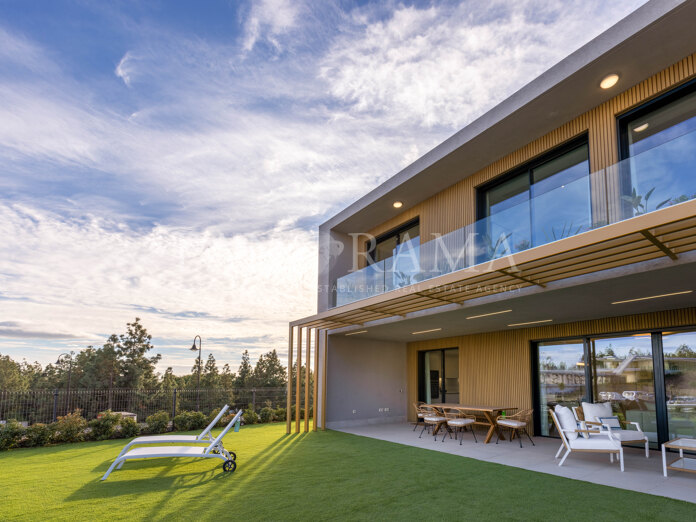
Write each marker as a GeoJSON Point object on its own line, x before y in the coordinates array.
{"type": "Point", "coordinates": [419, 414]}
{"type": "Point", "coordinates": [458, 419]}
{"type": "Point", "coordinates": [432, 418]}
{"type": "Point", "coordinates": [517, 424]}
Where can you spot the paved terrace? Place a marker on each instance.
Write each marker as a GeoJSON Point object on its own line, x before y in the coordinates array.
{"type": "Point", "coordinates": [641, 474]}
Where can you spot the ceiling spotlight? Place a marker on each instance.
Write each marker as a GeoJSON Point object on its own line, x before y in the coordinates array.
{"type": "Point", "coordinates": [641, 128]}
{"type": "Point", "coordinates": [397, 204]}
{"type": "Point", "coordinates": [609, 81]}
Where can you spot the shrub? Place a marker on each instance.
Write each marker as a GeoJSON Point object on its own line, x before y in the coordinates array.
{"type": "Point", "coordinates": [280, 414]}
{"type": "Point", "coordinates": [212, 416]}
{"type": "Point", "coordinates": [158, 422]}
{"type": "Point", "coordinates": [38, 435]}
{"type": "Point", "coordinates": [190, 420]}
{"type": "Point", "coordinates": [11, 434]}
{"type": "Point", "coordinates": [128, 428]}
{"type": "Point", "coordinates": [70, 428]}
{"type": "Point", "coordinates": [104, 426]}
{"type": "Point", "coordinates": [250, 416]}
{"type": "Point", "coordinates": [266, 414]}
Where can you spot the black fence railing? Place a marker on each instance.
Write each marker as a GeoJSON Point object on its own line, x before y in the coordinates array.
{"type": "Point", "coordinates": [32, 406]}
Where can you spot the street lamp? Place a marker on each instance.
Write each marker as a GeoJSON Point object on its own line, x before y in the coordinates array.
{"type": "Point", "coordinates": [198, 381]}
{"type": "Point", "coordinates": [67, 393]}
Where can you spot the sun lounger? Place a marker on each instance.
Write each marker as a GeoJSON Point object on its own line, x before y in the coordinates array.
{"type": "Point", "coordinates": [203, 438]}
{"type": "Point", "coordinates": [214, 450]}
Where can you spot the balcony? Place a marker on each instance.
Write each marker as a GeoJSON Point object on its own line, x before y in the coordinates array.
{"type": "Point", "coordinates": [655, 179]}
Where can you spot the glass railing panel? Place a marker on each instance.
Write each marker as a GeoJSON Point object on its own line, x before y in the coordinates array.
{"type": "Point", "coordinates": [656, 178]}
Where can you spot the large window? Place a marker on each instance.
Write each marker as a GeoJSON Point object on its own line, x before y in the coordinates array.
{"type": "Point", "coordinates": [438, 376]}
{"type": "Point", "coordinates": [396, 254]}
{"type": "Point", "coordinates": [658, 141]}
{"type": "Point", "coordinates": [648, 377]}
{"type": "Point", "coordinates": [546, 200]}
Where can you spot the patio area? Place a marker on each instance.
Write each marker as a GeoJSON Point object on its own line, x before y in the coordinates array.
{"type": "Point", "coordinates": [641, 474]}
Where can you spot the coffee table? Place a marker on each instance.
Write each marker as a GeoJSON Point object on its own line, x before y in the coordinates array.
{"type": "Point", "coordinates": [682, 463]}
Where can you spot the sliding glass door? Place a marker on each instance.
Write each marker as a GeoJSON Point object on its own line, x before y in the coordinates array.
{"type": "Point", "coordinates": [439, 376]}
{"type": "Point", "coordinates": [622, 374]}
{"type": "Point", "coordinates": [561, 367]}
{"type": "Point", "coordinates": [679, 351]}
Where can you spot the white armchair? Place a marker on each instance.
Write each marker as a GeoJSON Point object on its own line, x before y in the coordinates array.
{"type": "Point", "coordinates": [600, 415]}
{"type": "Point", "coordinates": [600, 441]}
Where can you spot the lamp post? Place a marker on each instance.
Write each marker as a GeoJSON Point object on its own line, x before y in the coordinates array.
{"type": "Point", "coordinates": [198, 381]}
{"type": "Point", "coordinates": [67, 393]}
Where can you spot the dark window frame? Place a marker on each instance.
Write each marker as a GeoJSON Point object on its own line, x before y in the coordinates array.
{"type": "Point", "coordinates": [421, 365]}
{"type": "Point", "coordinates": [396, 231]}
{"type": "Point", "coordinates": [646, 108]}
{"type": "Point", "coordinates": [528, 167]}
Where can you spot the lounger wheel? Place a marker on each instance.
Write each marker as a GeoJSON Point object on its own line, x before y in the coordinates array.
{"type": "Point", "coordinates": [229, 465]}
{"type": "Point", "coordinates": [233, 455]}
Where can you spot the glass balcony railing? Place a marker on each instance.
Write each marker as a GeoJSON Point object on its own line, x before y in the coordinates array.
{"type": "Point", "coordinates": [662, 176]}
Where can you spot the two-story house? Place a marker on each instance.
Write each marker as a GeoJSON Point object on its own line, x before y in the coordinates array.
{"type": "Point", "coordinates": [544, 254]}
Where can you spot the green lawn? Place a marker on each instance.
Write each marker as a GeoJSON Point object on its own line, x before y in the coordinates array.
{"type": "Point", "coordinates": [320, 475]}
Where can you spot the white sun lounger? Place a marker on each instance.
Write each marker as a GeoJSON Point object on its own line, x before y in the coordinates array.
{"type": "Point", "coordinates": [214, 450]}
{"type": "Point", "coordinates": [203, 438]}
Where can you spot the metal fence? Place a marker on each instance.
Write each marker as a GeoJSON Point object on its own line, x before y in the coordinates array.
{"type": "Point", "coordinates": [32, 406]}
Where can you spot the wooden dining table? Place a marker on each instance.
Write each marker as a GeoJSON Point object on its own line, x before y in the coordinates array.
{"type": "Point", "coordinates": [489, 414]}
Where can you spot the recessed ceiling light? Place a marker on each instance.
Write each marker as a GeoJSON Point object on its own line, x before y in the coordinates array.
{"type": "Point", "coordinates": [426, 331]}
{"type": "Point", "coordinates": [609, 81]}
{"type": "Point", "coordinates": [652, 297]}
{"type": "Point", "coordinates": [356, 333]}
{"type": "Point", "coordinates": [531, 322]}
{"type": "Point", "coordinates": [397, 204]}
{"type": "Point", "coordinates": [641, 128]}
{"type": "Point", "coordinates": [486, 315]}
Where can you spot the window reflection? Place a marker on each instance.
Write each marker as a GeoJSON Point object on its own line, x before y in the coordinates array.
{"type": "Point", "coordinates": [679, 349]}
{"type": "Point", "coordinates": [623, 375]}
{"type": "Point", "coordinates": [561, 377]}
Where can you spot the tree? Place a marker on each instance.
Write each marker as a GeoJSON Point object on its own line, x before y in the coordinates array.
{"type": "Point", "coordinates": [169, 380]}
{"type": "Point", "coordinates": [138, 370]}
{"type": "Point", "coordinates": [245, 372]}
{"type": "Point", "coordinates": [211, 377]}
{"type": "Point", "coordinates": [227, 378]}
{"type": "Point", "coordinates": [269, 371]}
{"type": "Point", "coordinates": [11, 377]}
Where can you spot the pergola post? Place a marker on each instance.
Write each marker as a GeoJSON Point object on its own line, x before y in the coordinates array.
{"type": "Point", "coordinates": [306, 392]}
{"type": "Point", "coordinates": [288, 416]}
{"type": "Point", "coordinates": [316, 379]}
{"type": "Point", "coordinates": [323, 380]}
{"type": "Point", "coordinates": [298, 388]}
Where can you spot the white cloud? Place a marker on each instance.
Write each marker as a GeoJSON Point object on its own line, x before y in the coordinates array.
{"type": "Point", "coordinates": [446, 64]}
{"type": "Point", "coordinates": [124, 70]}
{"type": "Point", "coordinates": [269, 19]}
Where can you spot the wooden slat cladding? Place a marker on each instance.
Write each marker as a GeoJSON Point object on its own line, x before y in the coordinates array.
{"type": "Point", "coordinates": [495, 367]}
{"type": "Point", "coordinates": [454, 207]}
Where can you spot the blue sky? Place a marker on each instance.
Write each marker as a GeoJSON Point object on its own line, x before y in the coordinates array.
{"type": "Point", "coordinates": [172, 160]}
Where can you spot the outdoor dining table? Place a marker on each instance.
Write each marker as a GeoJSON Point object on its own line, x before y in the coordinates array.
{"type": "Point", "coordinates": [489, 413]}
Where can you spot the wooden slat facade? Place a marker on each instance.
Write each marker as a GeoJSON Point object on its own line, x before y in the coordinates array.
{"type": "Point", "coordinates": [495, 368]}
{"type": "Point", "coordinates": [455, 207]}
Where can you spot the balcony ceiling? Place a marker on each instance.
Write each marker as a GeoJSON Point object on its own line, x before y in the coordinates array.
{"type": "Point", "coordinates": [653, 37]}
{"type": "Point", "coordinates": [549, 275]}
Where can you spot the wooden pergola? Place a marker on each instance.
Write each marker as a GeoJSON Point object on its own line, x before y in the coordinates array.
{"type": "Point", "coordinates": [664, 233]}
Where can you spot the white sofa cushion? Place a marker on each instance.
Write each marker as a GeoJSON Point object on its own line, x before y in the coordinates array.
{"type": "Point", "coordinates": [597, 442]}
{"type": "Point", "coordinates": [593, 412]}
{"type": "Point", "coordinates": [567, 421]}
{"type": "Point", "coordinates": [511, 423]}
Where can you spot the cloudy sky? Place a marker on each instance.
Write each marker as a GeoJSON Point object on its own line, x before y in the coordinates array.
{"type": "Point", "coordinates": [172, 160]}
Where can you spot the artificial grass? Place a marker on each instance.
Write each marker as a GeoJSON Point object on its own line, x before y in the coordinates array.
{"type": "Point", "coordinates": [323, 475]}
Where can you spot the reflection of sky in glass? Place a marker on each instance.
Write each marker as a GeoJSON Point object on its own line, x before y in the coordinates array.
{"type": "Point", "coordinates": [671, 342]}
{"type": "Point", "coordinates": [675, 131]}
{"type": "Point", "coordinates": [667, 168]}
{"type": "Point", "coordinates": [622, 345]}
{"type": "Point", "coordinates": [570, 354]}
{"type": "Point", "coordinates": [564, 211]}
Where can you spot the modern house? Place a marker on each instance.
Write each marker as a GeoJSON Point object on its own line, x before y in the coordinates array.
{"type": "Point", "coordinates": [544, 254]}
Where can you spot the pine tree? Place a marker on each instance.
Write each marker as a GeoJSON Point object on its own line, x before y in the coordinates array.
{"type": "Point", "coordinates": [244, 373]}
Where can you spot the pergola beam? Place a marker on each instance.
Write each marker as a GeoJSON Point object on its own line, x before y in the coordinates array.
{"type": "Point", "coordinates": [659, 244]}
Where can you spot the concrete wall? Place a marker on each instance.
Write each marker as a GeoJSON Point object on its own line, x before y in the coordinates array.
{"type": "Point", "coordinates": [363, 376]}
